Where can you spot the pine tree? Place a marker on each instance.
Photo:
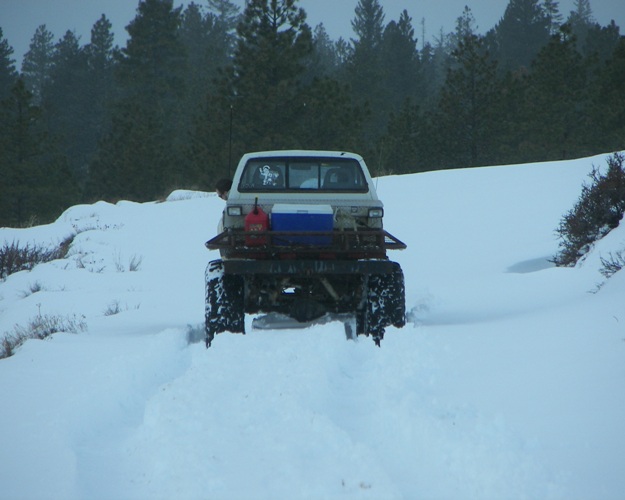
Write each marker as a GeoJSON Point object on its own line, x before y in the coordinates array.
{"type": "Point", "coordinates": [582, 12]}
{"type": "Point", "coordinates": [37, 63]}
{"type": "Point", "coordinates": [400, 63]}
{"type": "Point", "coordinates": [8, 74]}
{"type": "Point", "coordinates": [67, 101]}
{"type": "Point", "coordinates": [434, 62]}
{"type": "Point", "coordinates": [140, 158]}
{"type": "Point", "coordinates": [269, 99]}
{"type": "Point", "coordinates": [509, 142]}
{"type": "Point", "coordinates": [465, 26]}
{"type": "Point", "coordinates": [555, 114]}
{"type": "Point", "coordinates": [256, 102]}
{"type": "Point", "coordinates": [601, 41]}
{"type": "Point", "coordinates": [521, 33]}
{"type": "Point", "coordinates": [364, 68]}
{"type": "Point", "coordinates": [209, 41]}
{"type": "Point", "coordinates": [325, 58]}
{"type": "Point", "coordinates": [329, 119]}
{"type": "Point", "coordinates": [35, 183]}
{"type": "Point", "coordinates": [608, 107]}
{"type": "Point", "coordinates": [466, 117]}
{"type": "Point", "coordinates": [101, 91]}
{"type": "Point", "coordinates": [581, 21]}
{"type": "Point", "coordinates": [554, 17]}
{"type": "Point", "coordinates": [368, 25]}
{"type": "Point", "coordinates": [268, 67]}
{"type": "Point", "coordinates": [100, 51]}
{"type": "Point", "coordinates": [151, 63]}
{"type": "Point", "coordinates": [102, 54]}
{"type": "Point", "coordinates": [209, 38]}
{"type": "Point", "coordinates": [227, 17]}
{"type": "Point", "coordinates": [399, 149]}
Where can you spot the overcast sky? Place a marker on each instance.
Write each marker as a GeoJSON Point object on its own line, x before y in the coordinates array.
{"type": "Point", "coordinates": [20, 18]}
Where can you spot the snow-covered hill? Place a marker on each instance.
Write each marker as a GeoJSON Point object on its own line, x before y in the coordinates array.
{"type": "Point", "coordinates": [507, 382]}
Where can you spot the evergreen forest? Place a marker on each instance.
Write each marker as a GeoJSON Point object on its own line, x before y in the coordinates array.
{"type": "Point", "coordinates": [196, 86]}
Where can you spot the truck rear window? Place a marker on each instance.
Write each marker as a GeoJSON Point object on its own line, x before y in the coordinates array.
{"type": "Point", "coordinates": [303, 174]}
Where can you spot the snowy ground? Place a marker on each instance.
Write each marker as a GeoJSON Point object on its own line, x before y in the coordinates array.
{"type": "Point", "coordinates": [507, 382]}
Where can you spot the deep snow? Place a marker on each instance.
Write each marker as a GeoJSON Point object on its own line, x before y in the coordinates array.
{"type": "Point", "coordinates": [507, 382]}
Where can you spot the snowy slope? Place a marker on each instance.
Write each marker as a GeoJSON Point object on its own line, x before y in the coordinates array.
{"type": "Point", "coordinates": [507, 382]}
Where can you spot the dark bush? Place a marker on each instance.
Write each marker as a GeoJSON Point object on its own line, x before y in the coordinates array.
{"type": "Point", "coordinates": [15, 258]}
{"type": "Point", "coordinates": [599, 209]}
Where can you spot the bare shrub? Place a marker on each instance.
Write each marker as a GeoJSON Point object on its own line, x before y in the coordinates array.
{"type": "Point", "coordinates": [133, 264]}
{"type": "Point", "coordinates": [613, 264]}
{"type": "Point", "coordinates": [113, 308]}
{"type": "Point", "coordinates": [33, 288]}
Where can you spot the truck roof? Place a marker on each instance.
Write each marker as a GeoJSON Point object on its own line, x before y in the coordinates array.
{"type": "Point", "coordinates": [300, 153]}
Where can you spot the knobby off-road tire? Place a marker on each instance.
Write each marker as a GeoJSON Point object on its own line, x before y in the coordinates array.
{"type": "Point", "coordinates": [385, 304]}
{"type": "Point", "coordinates": [397, 305]}
{"type": "Point", "coordinates": [225, 308]}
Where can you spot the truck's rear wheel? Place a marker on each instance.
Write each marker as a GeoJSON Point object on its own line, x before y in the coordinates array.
{"type": "Point", "coordinates": [397, 303]}
{"type": "Point", "coordinates": [384, 304]}
{"type": "Point", "coordinates": [225, 308]}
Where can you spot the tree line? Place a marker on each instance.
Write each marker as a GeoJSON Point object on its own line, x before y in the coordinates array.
{"type": "Point", "coordinates": [196, 87]}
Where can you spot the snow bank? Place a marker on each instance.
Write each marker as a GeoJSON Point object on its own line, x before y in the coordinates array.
{"type": "Point", "coordinates": [508, 381]}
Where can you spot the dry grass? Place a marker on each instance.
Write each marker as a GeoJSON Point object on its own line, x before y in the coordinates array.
{"type": "Point", "coordinates": [40, 327]}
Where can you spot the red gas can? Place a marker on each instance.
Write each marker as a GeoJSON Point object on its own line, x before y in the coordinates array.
{"type": "Point", "coordinates": [256, 220]}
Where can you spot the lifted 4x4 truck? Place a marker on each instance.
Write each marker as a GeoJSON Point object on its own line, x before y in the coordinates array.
{"type": "Point", "coordinates": [301, 239]}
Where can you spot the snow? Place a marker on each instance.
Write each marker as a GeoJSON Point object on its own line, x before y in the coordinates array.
{"type": "Point", "coordinates": [507, 382]}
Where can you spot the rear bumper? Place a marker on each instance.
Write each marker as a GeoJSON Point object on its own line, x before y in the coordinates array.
{"type": "Point", "coordinates": [304, 245]}
{"type": "Point", "coordinates": [309, 267]}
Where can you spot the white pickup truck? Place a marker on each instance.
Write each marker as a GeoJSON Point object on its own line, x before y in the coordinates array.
{"type": "Point", "coordinates": [302, 237]}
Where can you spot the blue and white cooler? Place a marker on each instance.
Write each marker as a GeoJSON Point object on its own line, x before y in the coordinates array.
{"type": "Point", "coordinates": [287, 217]}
